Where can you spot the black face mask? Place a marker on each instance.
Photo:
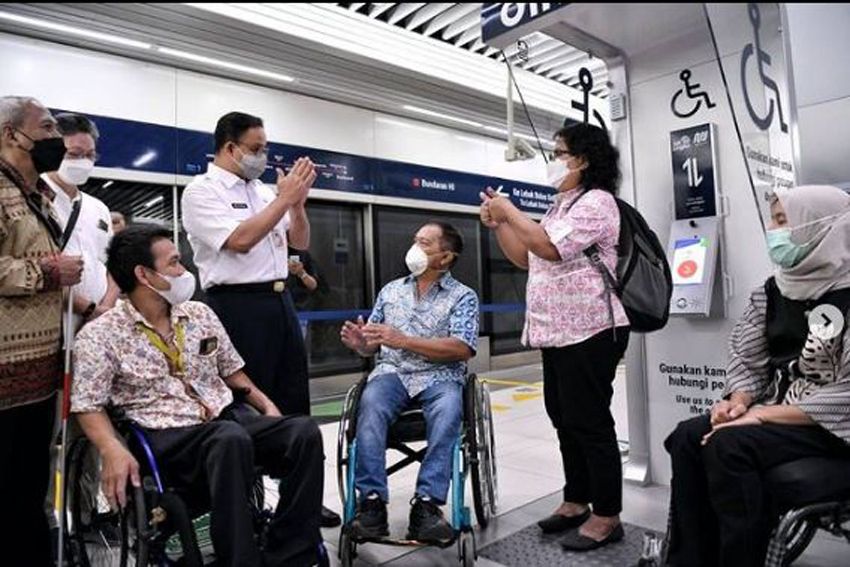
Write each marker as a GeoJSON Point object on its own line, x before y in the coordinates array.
{"type": "Point", "coordinates": [46, 154]}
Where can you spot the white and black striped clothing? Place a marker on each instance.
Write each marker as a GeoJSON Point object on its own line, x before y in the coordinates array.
{"type": "Point", "coordinates": [820, 385]}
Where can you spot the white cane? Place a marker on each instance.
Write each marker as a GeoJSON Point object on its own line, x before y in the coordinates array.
{"type": "Point", "coordinates": [66, 407]}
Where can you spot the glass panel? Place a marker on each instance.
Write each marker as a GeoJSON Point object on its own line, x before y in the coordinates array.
{"type": "Point", "coordinates": [394, 230]}
{"type": "Point", "coordinates": [750, 41]}
{"type": "Point", "coordinates": [337, 260]}
{"type": "Point", "coordinates": [504, 286]}
{"type": "Point", "coordinates": [139, 202]}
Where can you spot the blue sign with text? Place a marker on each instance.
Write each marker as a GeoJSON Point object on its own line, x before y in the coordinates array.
{"type": "Point", "coordinates": [502, 17]}
{"type": "Point", "coordinates": [133, 145]}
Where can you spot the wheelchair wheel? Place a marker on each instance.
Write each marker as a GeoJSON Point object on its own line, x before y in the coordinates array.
{"type": "Point", "coordinates": [343, 440]}
{"type": "Point", "coordinates": [135, 534]}
{"type": "Point", "coordinates": [800, 538]}
{"type": "Point", "coordinates": [481, 447]}
{"type": "Point", "coordinates": [347, 548]}
{"type": "Point", "coordinates": [93, 532]}
{"type": "Point", "coordinates": [466, 549]}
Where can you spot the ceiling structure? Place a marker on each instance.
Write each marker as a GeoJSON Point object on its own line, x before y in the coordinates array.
{"type": "Point", "coordinates": [362, 55]}
{"type": "Point", "coordinates": [459, 24]}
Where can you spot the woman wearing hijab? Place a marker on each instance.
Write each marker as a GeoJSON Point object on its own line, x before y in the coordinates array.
{"type": "Point", "coordinates": [787, 393]}
{"type": "Point", "coordinates": [582, 336]}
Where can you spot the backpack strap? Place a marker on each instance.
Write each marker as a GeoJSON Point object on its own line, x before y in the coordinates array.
{"type": "Point", "coordinates": [592, 253]}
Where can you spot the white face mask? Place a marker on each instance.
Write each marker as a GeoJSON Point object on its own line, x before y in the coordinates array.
{"type": "Point", "coordinates": [556, 171]}
{"type": "Point", "coordinates": [182, 288]}
{"type": "Point", "coordinates": [75, 171]}
{"type": "Point", "coordinates": [253, 165]}
{"type": "Point", "coordinates": [416, 260]}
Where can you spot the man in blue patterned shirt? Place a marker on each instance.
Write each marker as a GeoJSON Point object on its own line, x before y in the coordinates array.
{"type": "Point", "coordinates": [424, 327]}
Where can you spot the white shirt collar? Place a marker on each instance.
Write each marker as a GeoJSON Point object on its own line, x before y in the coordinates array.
{"type": "Point", "coordinates": [229, 179]}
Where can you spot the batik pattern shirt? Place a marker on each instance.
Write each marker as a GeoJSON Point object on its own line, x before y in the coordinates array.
{"type": "Point", "coordinates": [448, 309]}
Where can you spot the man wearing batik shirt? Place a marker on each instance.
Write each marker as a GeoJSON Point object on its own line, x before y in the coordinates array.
{"type": "Point", "coordinates": [424, 328]}
{"type": "Point", "coordinates": [32, 275]}
{"type": "Point", "coordinates": [168, 365]}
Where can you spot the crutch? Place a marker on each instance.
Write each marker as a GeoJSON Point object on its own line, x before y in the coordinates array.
{"type": "Point", "coordinates": [66, 410]}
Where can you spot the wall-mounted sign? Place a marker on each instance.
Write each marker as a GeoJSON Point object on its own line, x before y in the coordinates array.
{"type": "Point", "coordinates": [762, 60]}
{"type": "Point", "coordinates": [759, 91]}
{"type": "Point", "coordinates": [585, 79]}
{"type": "Point", "coordinates": [694, 98]}
{"type": "Point", "coordinates": [499, 18]}
{"type": "Point", "coordinates": [694, 182]}
{"type": "Point", "coordinates": [139, 146]}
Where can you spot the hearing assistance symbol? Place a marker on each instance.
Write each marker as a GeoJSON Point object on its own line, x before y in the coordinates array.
{"type": "Point", "coordinates": [826, 322]}
{"type": "Point", "coordinates": [763, 59]}
{"type": "Point", "coordinates": [585, 79]}
{"type": "Point", "coordinates": [690, 90]}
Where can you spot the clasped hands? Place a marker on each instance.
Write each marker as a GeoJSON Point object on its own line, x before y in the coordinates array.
{"type": "Point", "coordinates": [361, 336]}
{"type": "Point", "coordinates": [732, 413]}
{"type": "Point", "coordinates": [495, 208]}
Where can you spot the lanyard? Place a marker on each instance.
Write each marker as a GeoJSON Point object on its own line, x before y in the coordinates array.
{"type": "Point", "coordinates": [176, 362]}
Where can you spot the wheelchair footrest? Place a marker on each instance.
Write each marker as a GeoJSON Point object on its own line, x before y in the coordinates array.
{"type": "Point", "coordinates": [399, 542]}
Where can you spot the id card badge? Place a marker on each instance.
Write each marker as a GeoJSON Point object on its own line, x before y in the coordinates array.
{"type": "Point", "coordinates": [278, 240]}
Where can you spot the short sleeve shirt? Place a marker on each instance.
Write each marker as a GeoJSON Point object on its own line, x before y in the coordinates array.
{"type": "Point", "coordinates": [566, 301]}
{"type": "Point", "coordinates": [89, 239]}
{"type": "Point", "coordinates": [213, 205]}
{"type": "Point", "coordinates": [115, 363]}
{"type": "Point", "coordinates": [448, 309]}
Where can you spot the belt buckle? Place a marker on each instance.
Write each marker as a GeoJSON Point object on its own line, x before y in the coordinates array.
{"type": "Point", "coordinates": [279, 286]}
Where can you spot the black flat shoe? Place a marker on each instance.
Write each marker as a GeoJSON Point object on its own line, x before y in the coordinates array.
{"type": "Point", "coordinates": [330, 519]}
{"type": "Point", "coordinates": [574, 541]}
{"type": "Point", "coordinates": [557, 523]}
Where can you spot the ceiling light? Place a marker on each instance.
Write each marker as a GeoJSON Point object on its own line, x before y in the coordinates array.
{"type": "Point", "coordinates": [145, 158]}
{"type": "Point", "coordinates": [440, 115]}
{"type": "Point", "coordinates": [109, 38]}
{"type": "Point", "coordinates": [153, 202]}
{"type": "Point", "coordinates": [107, 184]}
{"type": "Point", "coordinates": [224, 64]}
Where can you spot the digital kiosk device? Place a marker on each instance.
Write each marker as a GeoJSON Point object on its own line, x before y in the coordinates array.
{"type": "Point", "coordinates": [693, 249]}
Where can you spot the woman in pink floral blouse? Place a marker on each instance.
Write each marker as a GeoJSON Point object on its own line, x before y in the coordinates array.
{"type": "Point", "coordinates": [582, 338]}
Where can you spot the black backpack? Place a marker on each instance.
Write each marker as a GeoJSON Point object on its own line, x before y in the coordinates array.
{"type": "Point", "coordinates": [644, 282]}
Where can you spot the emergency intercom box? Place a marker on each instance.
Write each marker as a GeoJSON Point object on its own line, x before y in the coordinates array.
{"type": "Point", "coordinates": [693, 255]}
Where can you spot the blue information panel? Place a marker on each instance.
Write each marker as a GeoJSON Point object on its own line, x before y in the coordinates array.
{"type": "Point", "coordinates": [133, 145]}
{"type": "Point", "coordinates": [501, 17]}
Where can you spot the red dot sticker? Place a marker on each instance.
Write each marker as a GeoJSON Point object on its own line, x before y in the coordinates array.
{"type": "Point", "coordinates": [687, 268]}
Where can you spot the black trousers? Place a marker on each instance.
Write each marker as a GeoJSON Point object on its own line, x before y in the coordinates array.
{"type": "Point", "coordinates": [25, 436]}
{"type": "Point", "coordinates": [721, 512]}
{"type": "Point", "coordinates": [264, 329]}
{"type": "Point", "coordinates": [219, 457]}
{"type": "Point", "coordinates": [577, 390]}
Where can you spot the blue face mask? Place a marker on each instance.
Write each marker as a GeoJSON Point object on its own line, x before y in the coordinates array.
{"type": "Point", "coordinates": [782, 250]}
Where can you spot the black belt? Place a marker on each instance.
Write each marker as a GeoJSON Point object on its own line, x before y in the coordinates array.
{"type": "Point", "coordinates": [277, 286]}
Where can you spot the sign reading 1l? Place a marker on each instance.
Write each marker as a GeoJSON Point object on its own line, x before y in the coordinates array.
{"type": "Point", "coordinates": [499, 18]}
{"type": "Point", "coordinates": [694, 183]}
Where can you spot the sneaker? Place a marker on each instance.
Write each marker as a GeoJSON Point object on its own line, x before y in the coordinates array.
{"type": "Point", "coordinates": [370, 522]}
{"type": "Point", "coordinates": [427, 523]}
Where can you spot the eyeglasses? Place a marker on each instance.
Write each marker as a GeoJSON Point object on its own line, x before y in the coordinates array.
{"type": "Point", "coordinates": [557, 154]}
{"type": "Point", "coordinates": [94, 156]}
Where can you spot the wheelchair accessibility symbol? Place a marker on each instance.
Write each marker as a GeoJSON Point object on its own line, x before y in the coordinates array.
{"type": "Point", "coordinates": [763, 59]}
{"type": "Point", "coordinates": [585, 79]}
{"type": "Point", "coordinates": [691, 92]}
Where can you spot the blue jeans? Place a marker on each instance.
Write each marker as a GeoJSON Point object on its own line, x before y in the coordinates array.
{"type": "Point", "coordinates": [383, 399]}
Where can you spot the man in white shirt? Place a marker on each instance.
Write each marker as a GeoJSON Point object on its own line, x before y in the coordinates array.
{"type": "Point", "coordinates": [239, 230]}
{"type": "Point", "coordinates": [87, 232]}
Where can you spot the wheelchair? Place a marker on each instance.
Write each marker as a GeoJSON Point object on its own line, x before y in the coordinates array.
{"type": "Point", "coordinates": [474, 456]}
{"type": "Point", "coordinates": [806, 495]}
{"type": "Point", "coordinates": [158, 526]}
{"type": "Point", "coordinates": [810, 494]}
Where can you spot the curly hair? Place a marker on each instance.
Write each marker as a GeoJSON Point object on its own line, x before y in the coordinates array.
{"type": "Point", "coordinates": [592, 143]}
